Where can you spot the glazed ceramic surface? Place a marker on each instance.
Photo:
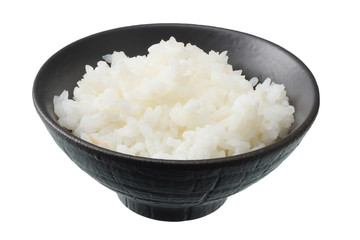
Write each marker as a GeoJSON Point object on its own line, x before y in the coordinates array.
{"type": "Point", "coordinates": [176, 190]}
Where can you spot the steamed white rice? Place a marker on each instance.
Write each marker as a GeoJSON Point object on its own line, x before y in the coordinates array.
{"type": "Point", "coordinates": [178, 102]}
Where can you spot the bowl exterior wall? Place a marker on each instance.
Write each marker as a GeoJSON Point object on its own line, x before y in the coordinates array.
{"type": "Point", "coordinates": [169, 184]}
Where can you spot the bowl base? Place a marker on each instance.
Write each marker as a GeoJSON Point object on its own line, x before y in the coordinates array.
{"type": "Point", "coordinates": [171, 213]}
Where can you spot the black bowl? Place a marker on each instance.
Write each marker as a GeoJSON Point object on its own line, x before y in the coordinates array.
{"type": "Point", "coordinates": [176, 190]}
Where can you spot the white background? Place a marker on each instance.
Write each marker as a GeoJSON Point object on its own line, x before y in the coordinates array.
{"type": "Point", "coordinates": [314, 194]}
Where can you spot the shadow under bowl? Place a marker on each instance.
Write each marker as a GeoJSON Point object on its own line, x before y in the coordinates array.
{"type": "Point", "coordinates": [176, 190]}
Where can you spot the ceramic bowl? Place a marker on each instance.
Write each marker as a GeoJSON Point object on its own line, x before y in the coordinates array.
{"type": "Point", "coordinates": [176, 190]}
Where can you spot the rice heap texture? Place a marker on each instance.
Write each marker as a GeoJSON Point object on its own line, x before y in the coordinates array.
{"type": "Point", "coordinates": [178, 102]}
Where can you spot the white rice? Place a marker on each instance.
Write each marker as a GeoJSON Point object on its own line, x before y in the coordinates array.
{"type": "Point", "coordinates": [178, 102]}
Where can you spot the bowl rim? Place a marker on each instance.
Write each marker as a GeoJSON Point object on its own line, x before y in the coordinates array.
{"type": "Point", "coordinates": [279, 144]}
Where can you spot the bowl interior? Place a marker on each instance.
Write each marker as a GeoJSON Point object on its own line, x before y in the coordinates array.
{"type": "Point", "coordinates": [255, 56]}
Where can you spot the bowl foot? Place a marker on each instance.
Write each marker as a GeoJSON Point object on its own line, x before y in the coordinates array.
{"type": "Point", "coordinates": [167, 213]}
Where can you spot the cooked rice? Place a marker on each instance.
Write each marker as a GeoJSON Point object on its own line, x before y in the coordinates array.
{"type": "Point", "coordinates": [178, 102]}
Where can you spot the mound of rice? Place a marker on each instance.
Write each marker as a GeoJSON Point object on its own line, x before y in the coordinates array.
{"type": "Point", "coordinates": [178, 102]}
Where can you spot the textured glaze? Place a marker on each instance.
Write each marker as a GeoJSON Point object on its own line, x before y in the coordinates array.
{"type": "Point", "coordinates": [166, 189]}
